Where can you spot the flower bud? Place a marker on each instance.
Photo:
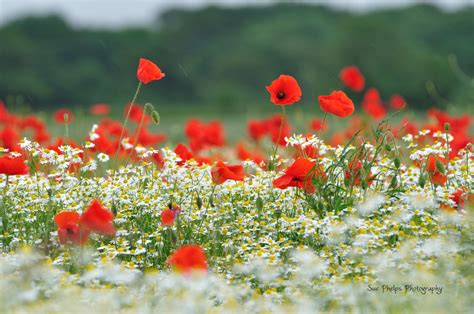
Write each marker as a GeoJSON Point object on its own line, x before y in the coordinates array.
{"type": "Point", "coordinates": [155, 117]}
{"type": "Point", "coordinates": [440, 166]}
{"type": "Point", "coordinates": [447, 126]}
{"type": "Point", "coordinates": [396, 161]}
{"type": "Point", "coordinates": [199, 202]}
{"type": "Point", "coordinates": [422, 180]}
{"type": "Point", "coordinates": [259, 203]}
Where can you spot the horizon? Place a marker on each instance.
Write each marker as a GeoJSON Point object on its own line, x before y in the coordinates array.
{"type": "Point", "coordinates": [93, 14]}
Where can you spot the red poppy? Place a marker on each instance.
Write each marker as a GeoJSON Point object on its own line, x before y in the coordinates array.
{"type": "Point", "coordinates": [11, 166]}
{"type": "Point", "coordinates": [100, 109]}
{"type": "Point", "coordinates": [167, 217]}
{"type": "Point", "coordinates": [244, 154]}
{"type": "Point", "coordinates": [318, 125]}
{"type": "Point", "coordinates": [222, 172]}
{"type": "Point", "coordinates": [299, 174]}
{"type": "Point", "coordinates": [148, 71]}
{"type": "Point", "coordinates": [436, 176]}
{"type": "Point", "coordinates": [354, 173]}
{"type": "Point", "coordinates": [136, 114]}
{"type": "Point", "coordinates": [352, 78]}
{"type": "Point", "coordinates": [397, 102]}
{"type": "Point", "coordinates": [284, 90]}
{"type": "Point", "coordinates": [203, 135]}
{"type": "Point", "coordinates": [458, 197]}
{"type": "Point", "coordinates": [188, 258]}
{"type": "Point", "coordinates": [9, 138]}
{"type": "Point", "coordinates": [337, 103]}
{"type": "Point", "coordinates": [256, 129]}
{"type": "Point", "coordinates": [183, 153]}
{"type": "Point", "coordinates": [98, 219]}
{"type": "Point", "coordinates": [69, 229]}
{"type": "Point", "coordinates": [63, 116]}
{"type": "Point", "coordinates": [372, 104]}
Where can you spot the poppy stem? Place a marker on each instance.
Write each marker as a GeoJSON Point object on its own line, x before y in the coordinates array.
{"type": "Point", "coordinates": [139, 128]}
{"type": "Point", "coordinates": [322, 124]}
{"type": "Point", "coordinates": [123, 128]}
{"type": "Point", "coordinates": [283, 120]}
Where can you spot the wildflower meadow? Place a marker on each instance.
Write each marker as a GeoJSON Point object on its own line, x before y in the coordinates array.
{"type": "Point", "coordinates": [370, 209]}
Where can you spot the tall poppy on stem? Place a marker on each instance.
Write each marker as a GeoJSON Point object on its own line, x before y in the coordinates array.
{"type": "Point", "coordinates": [147, 71]}
{"type": "Point", "coordinates": [283, 91]}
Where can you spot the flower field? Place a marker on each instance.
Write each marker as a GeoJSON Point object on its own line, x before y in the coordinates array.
{"type": "Point", "coordinates": [373, 217]}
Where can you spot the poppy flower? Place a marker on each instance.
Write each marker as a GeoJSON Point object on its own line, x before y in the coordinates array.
{"type": "Point", "coordinates": [63, 116]}
{"type": "Point", "coordinates": [256, 129]}
{"type": "Point", "coordinates": [188, 258]}
{"type": "Point", "coordinates": [167, 217]}
{"type": "Point", "coordinates": [11, 165]}
{"type": "Point", "coordinates": [100, 109]}
{"type": "Point", "coordinates": [284, 90]}
{"type": "Point", "coordinates": [318, 125]}
{"type": "Point", "coordinates": [458, 197]}
{"type": "Point", "coordinates": [222, 172]}
{"type": "Point", "coordinates": [69, 229]}
{"type": "Point", "coordinates": [337, 103]}
{"type": "Point", "coordinates": [98, 219]}
{"type": "Point", "coordinates": [135, 113]}
{"type": "Point", "coordinates": [148, 71]}
{"type": "Point", "coordinates": [397, 102]}
{"type": "Point", "coordinates": [299, 174]}
{"type": "Point", "coordinates": [354, 173]}
{"type": "Point", "coordinates": [436, 176]}
{"type": "Point", "coordinates": [183, 153]}
{"type": "Point", "coordinates": [352, 78]}
{"type": "Point", "coordinates": [372, 104]}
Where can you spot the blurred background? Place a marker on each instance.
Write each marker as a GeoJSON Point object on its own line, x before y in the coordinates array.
{"type": "Point", "coordinates": [218, 56]}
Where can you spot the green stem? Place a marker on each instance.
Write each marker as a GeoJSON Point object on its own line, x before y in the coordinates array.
{"type": "Point", "coordinates": [124, 127]}
{"type": "Point", "coordinates": [283, 120]}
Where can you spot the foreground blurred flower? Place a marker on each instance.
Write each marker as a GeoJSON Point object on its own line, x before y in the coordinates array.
{"type": "Point", "coordinates": [98, 219]}
{"type": "Point", "coordinates": [284, 90]}
{"type": "Point", "coordinates": [300, 174]}
{"type": "Point", "coordinates": [222, 172]}
{"type": "Point", "coordinates": [337, 103]}
{"type": "Point", "coordinates": [352, 78]}
{"type": "Point", "coordinates": [100, 109]}
{"type": "Point", "coordinates": [188, 258]}
{"type": "Point", "coordinates": [11, 166]}
{"type": "Point", "coordinates": [69, 229]}
{"type": "Point", "coordinates": [63, 116]}
{"type": "Point", "coordinates": [148, 71]}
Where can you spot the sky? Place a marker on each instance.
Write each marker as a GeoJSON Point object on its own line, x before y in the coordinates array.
{"type": "Point", "coordinates": [123, 13]}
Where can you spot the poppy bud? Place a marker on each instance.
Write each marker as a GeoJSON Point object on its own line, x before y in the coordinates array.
{"type": "Point", "coordinates": [149, 107]}
{"type": "Point", "coordinates": [447, 126]}
{"type": "Point", "coordinates": [440, 166]}
{"type": "Point", "coordinates": [396, 161]}
{"type": "Point", "coordinates": [155, 117]}
{"type": "Point", "coordinates": [66, 117]}
{"type": "Point", "coordinates": [422, 180]}
{"type": "Point", "coordinates": [393, 182]}
{"type": "Point", "coordinates": [388, 147]}
{"type": "Point", "coordinates": [259, 203]}
{"type": "Point", "coordinates": [199, 202]}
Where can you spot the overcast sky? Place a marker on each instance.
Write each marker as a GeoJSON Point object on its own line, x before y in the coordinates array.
{"type": "Point", "coordinates": [121, 13]}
